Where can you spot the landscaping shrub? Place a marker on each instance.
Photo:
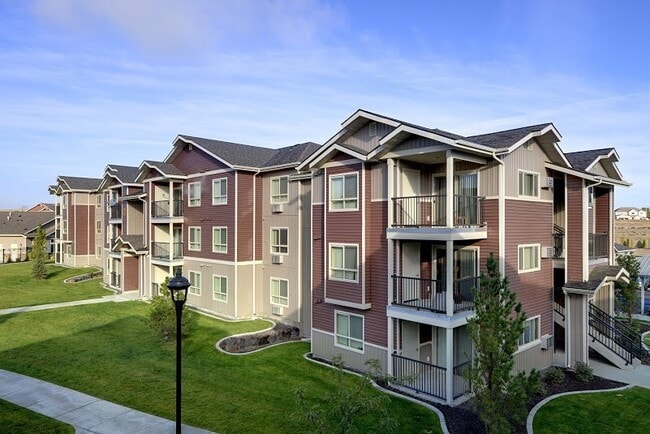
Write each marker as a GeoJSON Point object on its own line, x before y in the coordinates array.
{"type": "Point", "coordinates": [554, 375]}
{"type": "Point", "coordinates": [584, 372]}
{"type": "Point", "coordinates": [161, 316]}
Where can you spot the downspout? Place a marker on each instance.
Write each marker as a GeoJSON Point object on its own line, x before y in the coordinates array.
{"type": "Point", "coordinates": [254, 241]}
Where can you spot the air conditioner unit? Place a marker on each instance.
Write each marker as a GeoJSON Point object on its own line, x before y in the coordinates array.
{"type": "Point", "coordinates": [277, 207]}
{"type": "Point", "coordinates": [549, 182]}
{"type": "Point", "coordinates": [277, 310]}
{"type": "Point", "coordinates": [548, 252]}
{"type": "Point", "coordinates": [547, 342]}
{"type": "Point", "coordinates": [277, 259]}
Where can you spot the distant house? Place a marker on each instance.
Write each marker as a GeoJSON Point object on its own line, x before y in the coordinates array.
{"type": "Point", "coordinates": [622, 249]}
{"type": "Point", "coordinates": [42, 207]}
{"type": "Point", "coordinates": [18, 230]}
{"type": "Point", "coordinates": [630, 213]}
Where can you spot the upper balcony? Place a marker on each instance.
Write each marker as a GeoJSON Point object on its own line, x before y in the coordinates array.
{"type": "Point", "coordinates": [165, 210]}
{"type": "Point", "coordinates": [425, 218]}
{"type": "Point", "coordinates": [431, 295]}
{"type": "Point", "coordinates": [166, 252]}
{"type": "Point", "coordinates": [599, 246]}
{"type": "Point", "coordinates": [115, 213]}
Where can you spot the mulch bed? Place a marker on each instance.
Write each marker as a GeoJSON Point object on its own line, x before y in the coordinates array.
{"type": "Point", "coordinates": [463, 419]}
{"type": "Point", "coordinates": [254, 341]}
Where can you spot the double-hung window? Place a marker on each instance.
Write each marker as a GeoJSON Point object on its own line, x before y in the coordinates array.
{"type": "Point", "coordinates": [195, 238]}
{"type": "Point", "coordinates": [344, 263]}
{"type": "Point", "coordinates": [220, 288]}
{"type": "Point", "coordinates": [220, 239]}
{"type": "Point", "coordinates": [280, 292]}
{"type": "Point", "coordinates": [194, 194]}
{"type": "Point", "coordinates": [280, 189]}
{"type": "Point", "coordinates": [528, 184]}
{"type": "Point", "coordinates": [98, 226]}
{"type": "Point", "coordinates": [195, 283]}
{"type": "Point", "coordinates": [279, 241]}
{"type": "Point", "coordinates": [529, 257]}
{"type": "Point", "coordinates": [220, 191]}
{"type": "Point", "coordinates": [344, 192]}
{"type": "Point", "coordinates": [531, 331]}
{"type": "Point", "coordinates": [349, 331]}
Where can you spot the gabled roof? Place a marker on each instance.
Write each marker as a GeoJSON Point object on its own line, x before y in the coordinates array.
{"type": "Point", "coordinates": [125, 174]}
{"type": "Point", "coordinates": [165, 169]}
{"type": "Point", "coordinates": [584, 160]}
{"type": "Point", "coordinates": [22, 222]}
{"type": "Point", "coordinates": [626, 209]}
{"type": "Point", "coordinates": [506, 138]}
{"type": "Point", "coordinates": [75, 183]}
{"type": "Point", "coordinates": [135, 242]}
{"type": "Point", "coordinates": [291, 155]}
{"type": "Point", "coordinates": [598, 276]}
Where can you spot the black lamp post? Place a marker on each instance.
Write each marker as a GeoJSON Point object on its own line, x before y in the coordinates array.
{"type": "Point", "coordinates": [178, 289]}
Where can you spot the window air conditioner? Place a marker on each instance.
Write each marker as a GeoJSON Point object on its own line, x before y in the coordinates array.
{"type": "Point", "coordinates": [277, 207]}
{"type": "Point", "coordinates": [277, 259]}
{"type": "Point", "coordinates": [547, 252]}
{"type": "Point", "coordinates": [277, 310]}
{"type": "Point", "coordinates": [547, 342]}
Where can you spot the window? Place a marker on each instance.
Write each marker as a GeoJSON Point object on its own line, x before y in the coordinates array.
{"type": "Point", "coordinates": [349, 331]}
{"type": "Point", "coordinates": [194, 194]}
{"type": "Point", "coordinates": [65, 226]}
{"type": "Point", "coordinates": [279, 240]}
{"type": "Point", "coordinates": [531, 331]}
{"type": "Point", "coordinates": [343, 192]}
{"type": "Point", "coordinates": [98, 226]}
{"type": "Point", "coordinates": [343, 262]}
{"type": "Point", "coordinates": [280, 189]}
{"type": "Point", "coordinates": [220, 191]}
{"type": "Point", "coordinates": [280, 292]}
{"type": "Point", "coordinates": [528, 184]}
{"type": "Point", "coordinates": [220, 288]}
{"type": "Point", "coordinates": [195, 239]}
{"type": "Point", "coordinates": [98, 252]}
{"type": "Point", "coordinates": [529, 258]}
{"type": "Point", "coordinates": [98, 200]}
{"type": "Point", "coordinates": [195, 283]}
{"type": "Point", "coordinates": [220, 240]}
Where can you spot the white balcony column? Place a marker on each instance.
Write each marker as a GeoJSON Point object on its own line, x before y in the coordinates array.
{"type": "Point", "coordinates": [449, 278]}
{"type": "Point", "coordinates": [390, 193]}
{"type": "Point", "coordinates": [449, 199]}
{"type": "Point", "coordinates": [449, 353]}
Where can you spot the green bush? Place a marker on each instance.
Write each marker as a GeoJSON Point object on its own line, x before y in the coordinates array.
{"type": "Point", "coordinates": [161, 316]}
{"type": "Point", "coordinates": [554, 375]}
{"type": "Point", "coordinates": [584, 372]}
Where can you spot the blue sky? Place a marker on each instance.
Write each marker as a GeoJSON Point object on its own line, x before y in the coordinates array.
{"type": "Point", "coordinates": [85, 83]}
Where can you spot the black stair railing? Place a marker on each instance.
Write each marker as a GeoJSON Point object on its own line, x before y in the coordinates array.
{"type": "Point", "coordinates": [615, 335]}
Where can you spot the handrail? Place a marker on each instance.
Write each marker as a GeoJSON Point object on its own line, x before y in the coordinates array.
{"type": "Point", "coordinates": [420, 376]}
{"type": "Point", "coordinates": [430, 294]}
{"type": "Point", "coordinates": [431, 211]}
{"type": "Point", "coordinates": [624, 336]}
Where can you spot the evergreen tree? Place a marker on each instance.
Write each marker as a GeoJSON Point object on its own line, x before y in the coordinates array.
{"type": "Point", "coordinates": [39, 255]}
{"type": "Point", "coordinates": [500, 397]}
{"type": "Point", "coordinates": [628, 292]}
{"type": "Point", "coordinates": [162, 315]}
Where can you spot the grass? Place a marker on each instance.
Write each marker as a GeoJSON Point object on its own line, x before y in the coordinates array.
{"type": "Point", "coordinates": [18, 288]}
{"type": "Point", "coordinates": [607, 412]}
{"type": "Point", "coordinates": [646, 339]}
{"type": "Point", "coordinates": [17, 419]}
{"type": "Point", "coordinates": [106, 350]}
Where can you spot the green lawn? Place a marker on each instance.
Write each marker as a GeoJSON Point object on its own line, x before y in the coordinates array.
{"type": "Point", "coordinates": [607, 412]}
{"type": "Point", "coordinates": [646, 339]}
{"type": "Point", "coordinates": [18, 288]}
{"type": "Point", "coordinates": [16, 419]}
{"type": "Point", "coordinates": [106, 350]}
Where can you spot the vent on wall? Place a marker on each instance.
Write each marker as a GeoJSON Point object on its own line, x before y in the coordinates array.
{"type": "Point", "coordinates": [372, 129]}
{"type": "Point", "coordinates": [548, 183]}
{"type": "Point", "coordinates": [277, 310]}
{"type": "Point", "coordinates": [547, 342]}
{"type": "Point", "coordinates": [277, 259]}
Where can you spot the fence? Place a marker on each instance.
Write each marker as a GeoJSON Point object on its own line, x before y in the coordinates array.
{"type": "Point", "coordinates": [17, 254]}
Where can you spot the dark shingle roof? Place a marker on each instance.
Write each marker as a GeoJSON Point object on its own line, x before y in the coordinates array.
{"type": "Point", "coordinates": [291, 154]}
{"type": "Point", "coordinates": [126, 174]}
{"type": "Point", "coordinates": [596, 277]}
{"type": "Point", "coordinates": [165, 168]}
{"type": "Point", "coordinates": [582, 159]}
{"type": "Point", "coordinates": [136, 241]}
{"type": "Point", "coordinates": [77, 183]}
{"type": "Point", "coordinates": [504, 139]}
{"type": "Point", "coordinates": [21, 222]}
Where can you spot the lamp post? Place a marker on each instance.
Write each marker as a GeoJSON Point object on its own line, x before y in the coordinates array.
{"type": "Point", "coordinates": [178, 289]}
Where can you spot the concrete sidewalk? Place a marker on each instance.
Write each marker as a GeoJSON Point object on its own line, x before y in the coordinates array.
{"type": "Point", "coordinates": [85, 413]}
{"type": "Point", "coordinates": [639, 376]}
{"type": "Point", "coordinates": [104, 299]}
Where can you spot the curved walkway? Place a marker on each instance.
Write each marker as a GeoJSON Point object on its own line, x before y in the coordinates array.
{"type": "Point", "coordinates": [87, 414]}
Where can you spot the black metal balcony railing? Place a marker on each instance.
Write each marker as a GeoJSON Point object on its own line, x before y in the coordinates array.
{"type": "Point", "coordinates": [116, 212]}
{"type": "Point", "coordinates": [162, 251]}
{"type": "Point", "coordinates": [460, 383]}
{"type": "Point", "coordinates": [420, 376]}
{"type": "Point", "coordinates": [558, 246]}
{"type": "Point", "coordinates": [431, 211]}
{"type": "Point", "coordinates": [431, 295]}
{"type": "Point", "coordinates": [115, 280]}
{"type": "Point", "coordinates": [598, 245]}
{"type": "Point", "coordinates": [163, 208]}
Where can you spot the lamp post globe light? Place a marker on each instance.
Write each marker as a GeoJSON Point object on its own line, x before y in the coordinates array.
{"type": "Point", "coordinates": [178, 289]}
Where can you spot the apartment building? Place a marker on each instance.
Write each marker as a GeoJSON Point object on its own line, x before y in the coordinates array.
{"type": "Point", "coordinates": [404, 218]}
{"type": "Point", "coordinates": [78, 221]}
{"type": "Point", "coordinates": [124, 250]}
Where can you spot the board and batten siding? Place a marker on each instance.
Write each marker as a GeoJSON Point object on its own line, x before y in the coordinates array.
{"type": "Point", "coordinates": [533, 358]}
{"type": "Point", "coordinates": [205, 300]}
{"type": "Point", "coordinates": [323, 346]}
{"type": "Point", "coordinates": [491, 243]}
{"type": "Point", "coordinates": [363, 140]}
{"type": "Point", "coordinates": [379, 181]}
{"type": "Point", "coordinates": [531, 159]}
{"type": "Point", "coordinates": [574, 236]}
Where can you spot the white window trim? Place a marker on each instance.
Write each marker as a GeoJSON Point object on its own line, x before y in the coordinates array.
{"type": "Point", "coordinates": [189, 192]}
{"type": "Point", "coordinates": [189, 238]}
{"type": "Point", "coordinates": [226, 244]}
{"type": "Point", "coordinates": [99, 200]}
{"type": "Point", "coordinates": [539, 257]}
{"type": "Point", "coordinates": [329, 260]}
{"type": "Point", "coordinates": [342, 175]}
{"type": "Point", "coordinates": [98, 226]}
{"type": "Point", "coordinates": [196, 288]}
{"type": "Point", "coordinates": [363, 331]}
{"type": "Point", "coordinates": [226, 293]}
{"type": "Point", "coordinates": [278, 279]}
{"type": "Point", "coordinates": [534, 342]}
{"type": "Point", "coordinates": [537, 190]}
{"type": "Point", "coordinates": [271, 240]}
{"type": "Point", "coordinates": [214, 181]}
{"type": "Point", "coordinates": [279, 195]}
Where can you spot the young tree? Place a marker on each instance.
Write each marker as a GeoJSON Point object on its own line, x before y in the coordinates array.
{"type": "Point", "coordinates": [39, 255]}
{"type": "Point", "coordinates": [500, 397]}
{"type": "Point", "coordinates": [628, 298]}
{"type": "Point", "coordinates": [162, 315]}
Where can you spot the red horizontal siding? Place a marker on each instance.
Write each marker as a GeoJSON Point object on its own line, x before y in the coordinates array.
{"type": "Point", "coordinates": [574, 234]}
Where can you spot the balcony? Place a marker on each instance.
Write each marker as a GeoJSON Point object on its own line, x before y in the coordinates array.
{"type": "Point", "coordinates": [558, 242]}
{"type": "Point", "coordinates": [429, 379]}
{"type": "Point", "coordinates": [167, 251]}
{"type": "Point", "coordinates": [116, 212]}
{"type": "Point", "coordinates": [427, 294]}
{"type": "Point", "coordinates": [165, 208]}
{"type": "Point", "coordinates": [599, 246]}
{"type": "Point", "coordinates": [57, 210]}
{"type": "Point", "coordinates": [57, 234]}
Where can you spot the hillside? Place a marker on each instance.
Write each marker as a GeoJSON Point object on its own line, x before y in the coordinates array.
{"type": "Point", "coordinates": [636, 231]}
